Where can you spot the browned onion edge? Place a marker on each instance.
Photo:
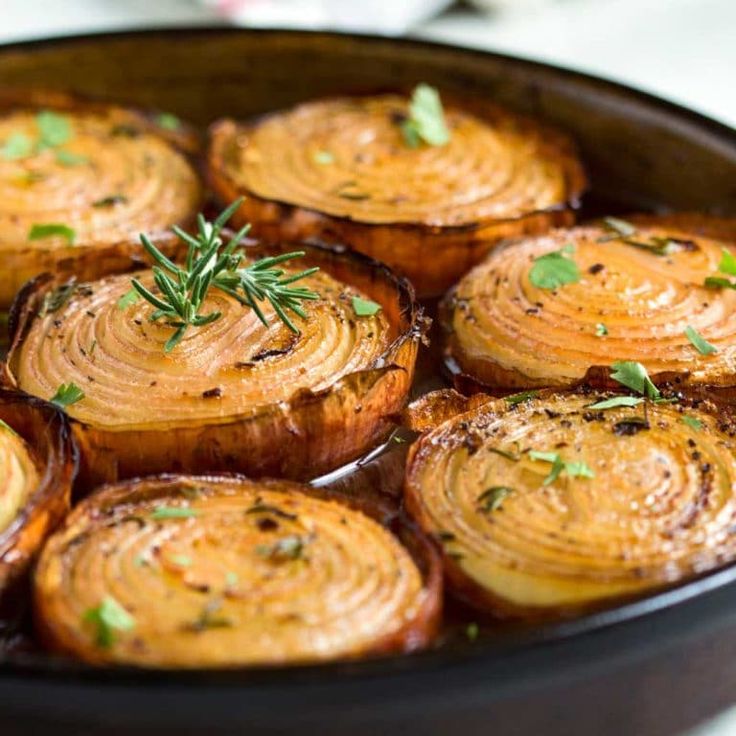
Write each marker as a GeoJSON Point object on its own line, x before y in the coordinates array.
{"type": "Point", "coordinates": [415, 635]}
{"type": "Point", "coordinates": [406, 316]}
{"type": "Point", "coordinates": [511, 380]}
{"type": "Point", "coordinates": [47, 432]}
{"type": "Point", "coordinates": [438, 408]}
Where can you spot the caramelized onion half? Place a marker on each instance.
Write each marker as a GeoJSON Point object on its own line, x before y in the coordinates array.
{"type": "Point", "coordinates": [37, 466]}
{"type": "Point", "coordinates": [504, 333]}
{"type": "Point", "coordinates": [226, 572]}
{"type": "Point", "coordinates": [116, 175]}
{"type": "Point", "coordinates": [233, 395]}
{"type": "Point", "coordinates": [340, 170]}
{"type": "Point", "coordinates": [659, 508]}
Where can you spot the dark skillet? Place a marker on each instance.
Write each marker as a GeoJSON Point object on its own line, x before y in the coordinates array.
{"type": "Point", "coordinates": [657, 666]}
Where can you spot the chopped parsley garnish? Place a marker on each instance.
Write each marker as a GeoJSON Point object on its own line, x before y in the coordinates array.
{"type": "Point", "coordinates": [692, 422]}
{"type": "Point", "coordinates": [160, 513]}
{"type": "Point", "coordinates": [492, 498]}
{"type": "Point", "coordinates": [365, 307]}
{"type": "Point", "coordinates": [575, 469]}
{"type": "Point", "coordinates": [601, 330]}
{"type": "Point", "coordinates": [52, 229]}
{"type": "Point", "coordinates": [108, 618]}
{"type": "Point", "coordinates": [555, 269]}
{"type": "Point", "coordinates": [323, 158]}
{"type": "Point", "coordinates": [17, 146]}
{"type": "Point", "coordinates": [426, 120]}
{"type": "Point", "coordinates": [127, 299]}
{"type": "Point", "coordinates": [699, 342]}
{"type": "Point", "coordinates": [520, 398]}
{"type": "Point", "coordinates": [616, 401]}
{"type": "Point", "coordinates": [634, 375]}
{"type": "Point", "coordinates": [66, 395]}
{"type": "Point", "coordinates": [168, 121]}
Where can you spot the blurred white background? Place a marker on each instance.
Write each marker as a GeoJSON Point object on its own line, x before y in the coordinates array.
{"type": "Point", "coordinates": [684, 50]}
{"type": "Point", "coordinates": [681, 49]}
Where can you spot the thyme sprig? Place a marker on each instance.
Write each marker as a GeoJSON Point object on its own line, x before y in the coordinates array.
{"type": "Point", "coordinates": [210, 263]}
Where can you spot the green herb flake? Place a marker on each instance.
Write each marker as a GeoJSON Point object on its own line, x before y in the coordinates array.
{"type": "Point", "coordinates": [634, 375]}
{"type": "Point", "coordinates": [365, 307]}
{"type": "Point", "coordinates": [575, 469]}
{"type": "Point", "coordinates": [55, 299]}
{"type": "Point", "coordinates": [67, 158]}
{"type": "Point", "coordinates": [616, 401]}
{"type": "Point", "coordinates": [520, 398]}
{"type": "Point", "coordinates": [492, 498]}
{"type": "Point", "coordinates": [168, 121]}
{"type": "Point", "coordinates": [54, 130]}
{"type": "Point", "coordinates": [472, 630]}
{"type": "Point", "coordinates": [181, 560]}
{"type": "Point", "coordinates": [323, 158]}
{"type": "Point", "coordinates": [66, 395]}
{"type": "Point", "coordinates": [553, 270]}
{"type": "Point", "coordinates": [287, 548]}
{"type": "Point", "coordinates": [618, 228]}
{"type": "Point", "coordinates": [692, 422]}
{"type": "Point", "coordinates": [17, 146]}
{"type": "Point", "coordinates": [426, 121]}
{"type": "Point", "coordinates": [128, 299]}
{"type": "Point", "coordinates": [699, 342]}
{"type": "Point", "coordinates": [728, 263]}
{"type": "Point", "coordinates": [108, 618]}
{"type": "Point", "coordinates": [601, 330]}
{"type": "Point", "coordinates": [52, 229]}
{"type": "Point", "coordinates": [161, 513]}
{"type": "Point", "coordinates": [231, 579]}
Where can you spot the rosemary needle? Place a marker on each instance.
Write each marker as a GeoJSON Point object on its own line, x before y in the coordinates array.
{"type": "Point", "coordinates": [210, 263]}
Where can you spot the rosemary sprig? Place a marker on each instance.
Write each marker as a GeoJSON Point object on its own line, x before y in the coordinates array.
{"type": "Point", "coordinates": [212, 264]}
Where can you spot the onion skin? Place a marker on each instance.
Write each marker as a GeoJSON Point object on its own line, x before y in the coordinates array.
{"type": "Point", "coordinates": [164, 572]}
{"type": "Point", "coordinates": [657, 513]}
{"type": "Point", "coordinates": [106, 235]}
{"type": "Point", "coordinates": [431, 242]}
{"type": "Point", "coordinates": [305, 435]}
{"type": "Point", "coordinates": [45, 430]}
{"type": "Point", "coordinates": [503, 334]}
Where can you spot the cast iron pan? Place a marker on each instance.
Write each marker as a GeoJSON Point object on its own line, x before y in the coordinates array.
{"type": "Point", "coordinates": [653, 667]}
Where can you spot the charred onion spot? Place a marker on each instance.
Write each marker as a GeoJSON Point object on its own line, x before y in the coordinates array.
{"type": "Point", "coordinates": [656, 509]}
{"type": "Point", "coordinates": [639, 302]}
{"type": "Point", "coordinates": [217, 592]}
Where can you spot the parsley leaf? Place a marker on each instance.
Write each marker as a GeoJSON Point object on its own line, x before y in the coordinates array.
{"type": "Point", "coordinates": [575, 469]}
{"type": "Point", "coordinates": [553, 270]}
{"type": "Point", "coordinates": [426, 119]}
{"type": "Point", "coordinates": [127, 299]}
{"type": "Point", "coordinates": [54, 129]}
{"type": "Point", "coordinates": [520, 398]}
{"type": "Point", "coordinates": [615, 402]}
{"type": "Point", "coordinates": [601, 330]}
{"type": "Point", "coordinates": [161, 513]}
{"type": "Point", "coordinates": [66, 395]}
{"type": "Point", "coordinates": [67, 158]}
{"type": "Point", "coordinates": [168, 121]}
{"type": "Point", "coordinates": [692, 422]}
{"type": "Point", "coordinates": [17, 146]}
{"type": "Point", "coordinates": [323, 158]}
{"type": "Point", "coordinates": [365, 307]}
{"type": "Point", "coordinates": [52, 229]}
{"type": "Point", "coordinates": [699, 342]}
{"type": "Point", "coordinates": [634, 375]}
{"type": "Point", "coordinates": [109, 617]}
{"type": "Point", "coordinates": [492, 498]}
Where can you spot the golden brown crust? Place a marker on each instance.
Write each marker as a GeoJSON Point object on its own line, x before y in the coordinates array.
{"type": "Point", "coordinates": [124, 174]}
{"type": "Point", "coordinates": [46, 433]}
{"type": "Point", "coordinates": [292, 432]}
{"type": "Point", "coordinates": [503, 333]}
{"type": "Point", "coordinates": [246, 574]}
{"type": "Point", "coordinates": [430, 213]}
{"type": "Point", "coordinates": [650, 504]}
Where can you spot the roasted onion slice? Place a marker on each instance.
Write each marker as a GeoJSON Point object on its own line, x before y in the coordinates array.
{"type": "Point", "coordinates": [37, 466]}
{"type": "Point", "coordinates": [622, 501]}
{"type": "Point", "coordinates": [79, 181]}
{"type": "Point", "coordinates": [639, 297]}
{"type": "Point", "coordinates": [233, 395]}
{"type": "Point", "coordinates": [340, 170]}
{"type": "Point", "coordinates": [197, 572]}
